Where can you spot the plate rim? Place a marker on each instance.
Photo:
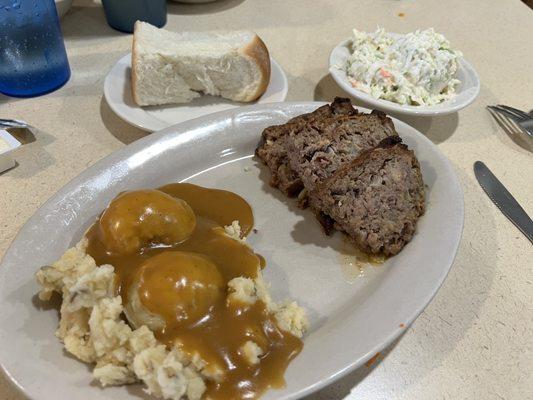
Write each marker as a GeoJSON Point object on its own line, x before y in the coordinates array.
{"type": "Point", "coordinates": [390, 106]}
{"type": "Point", "coordinates": [158, 125]}
{"type": "Point", "coordinates": [189, 124]}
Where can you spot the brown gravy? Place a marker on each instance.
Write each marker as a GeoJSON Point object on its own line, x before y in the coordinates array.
{"type": "Point", "coordinates": [167, 276]}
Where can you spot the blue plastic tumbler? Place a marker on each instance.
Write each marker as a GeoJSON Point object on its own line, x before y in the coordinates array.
{"type": "Point", "coordinates": [33, 60]}
{"type": "Point", "coordinates": [122, 14]}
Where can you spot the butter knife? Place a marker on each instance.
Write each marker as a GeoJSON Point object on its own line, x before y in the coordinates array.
{"type": "Point", "coordinates": [503, 199]}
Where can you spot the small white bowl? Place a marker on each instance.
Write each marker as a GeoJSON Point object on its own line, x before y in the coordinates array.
{"type": "Point", "coordinates": [466, 93]}
{"type": "Point", "coordinates": [6, 154]}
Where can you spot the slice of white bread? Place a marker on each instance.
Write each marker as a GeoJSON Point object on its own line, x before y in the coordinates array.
{"type": "Point", "coordinates": [169, 67]}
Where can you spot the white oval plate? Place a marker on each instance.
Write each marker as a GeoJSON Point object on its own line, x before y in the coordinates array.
{"type": "Point", "coordinates": [351, 317]}
{"type": "Point", "coordinates": [466, 93]}
{"type": "Point", "coordinates": [117, 92]}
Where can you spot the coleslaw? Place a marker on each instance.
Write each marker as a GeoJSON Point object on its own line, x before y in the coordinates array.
{"type": "Point", "coordinates": [416, 69]}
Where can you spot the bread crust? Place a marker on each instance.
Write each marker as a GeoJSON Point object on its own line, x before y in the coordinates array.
{"type": "Point", "coordinates": [134, 60]}
{"type": "Point", "coordinates": [258, 51]}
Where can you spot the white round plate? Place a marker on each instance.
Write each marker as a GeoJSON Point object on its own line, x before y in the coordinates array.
{"type": "Point", "coordinates": [466, 93]}
{"type": "Point", "coordinates": [117, 91]}
{"type": "Point", "coordinates": [351, 317]}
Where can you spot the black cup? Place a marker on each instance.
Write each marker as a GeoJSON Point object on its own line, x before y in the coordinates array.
{"type": "Point", "coordinates": [122, 14]}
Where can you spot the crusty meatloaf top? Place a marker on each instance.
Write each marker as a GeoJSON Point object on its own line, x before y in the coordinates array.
{"type": "Point", "coordinates": [319, 148]}
{"type": "Point", "coordinates": [272, 148]}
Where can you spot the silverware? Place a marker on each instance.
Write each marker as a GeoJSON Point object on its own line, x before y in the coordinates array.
{"type": "Point", "coordinates": [512, 119]}
{"type": "Point", "coordinates": [12, 123]}
{"type": "Point", "coordinates": [503, 199]}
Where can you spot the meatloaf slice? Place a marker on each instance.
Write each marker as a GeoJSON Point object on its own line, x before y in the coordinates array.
{"type": "Point", "coordinates": [319, 148]}
{"type": "Point", "coordinates": [376, 198]}
{"type": "Point", "coordinates": [272, 148]}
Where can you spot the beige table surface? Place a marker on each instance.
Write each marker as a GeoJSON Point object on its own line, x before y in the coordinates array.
{"type": "Point", "coordinates": [475, 339]}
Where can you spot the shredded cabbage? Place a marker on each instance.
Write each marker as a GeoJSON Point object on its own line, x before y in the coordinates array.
{"type": "Point", "coordinates": [415, 69]}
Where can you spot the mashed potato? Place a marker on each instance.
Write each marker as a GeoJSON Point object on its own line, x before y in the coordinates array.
{"type": "Point", "coordinates": [93, 330]}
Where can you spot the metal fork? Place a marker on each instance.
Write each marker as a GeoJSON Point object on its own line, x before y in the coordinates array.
{"type": "Point", "coordinates": [12, 123]}
{"type": "Point", "coordinates": [512, 120]}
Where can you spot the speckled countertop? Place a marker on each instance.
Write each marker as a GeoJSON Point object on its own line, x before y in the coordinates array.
{"type": "Point", "coordinates": [475, 339]}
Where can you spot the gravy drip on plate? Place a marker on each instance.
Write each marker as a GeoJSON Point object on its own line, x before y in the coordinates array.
{"type": "Point", "coordinates": [185, 284]}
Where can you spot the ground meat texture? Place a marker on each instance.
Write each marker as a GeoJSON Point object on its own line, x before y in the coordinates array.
{"type": "Point", "coordinates": [317, 150]}
{"type": "Point", "coordinates": [376, 199]}
{"type": "Point", "coordinates": [354, 172]}
{"type": "Point", "coordinates": [272, 149]}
